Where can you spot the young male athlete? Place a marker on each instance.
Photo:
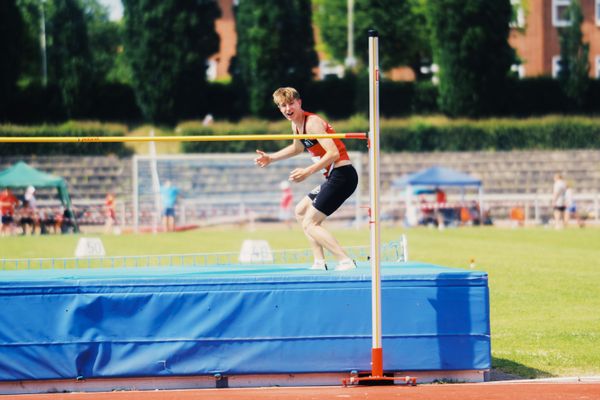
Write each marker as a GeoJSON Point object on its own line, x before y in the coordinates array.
{"type": "Point", "coordinates": [329, 156]}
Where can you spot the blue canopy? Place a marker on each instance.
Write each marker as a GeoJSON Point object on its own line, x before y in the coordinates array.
{"type": "Point", "coordinates": [436, 176]}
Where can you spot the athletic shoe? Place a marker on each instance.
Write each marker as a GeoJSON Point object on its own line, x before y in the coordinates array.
{"type": "Point", "coordinates": [319, 265]}
{"type": "Point", "coordinates": [345, 265]}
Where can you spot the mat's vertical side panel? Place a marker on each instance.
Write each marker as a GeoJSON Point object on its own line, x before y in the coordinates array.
{"type": "Point", "coordinates": [444, 325]}
{"type": "Point", "coordinates": [259, 324]}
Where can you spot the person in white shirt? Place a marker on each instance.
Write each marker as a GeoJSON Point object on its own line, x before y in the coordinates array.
{"type": "Point", "coordinates": [559, 201]}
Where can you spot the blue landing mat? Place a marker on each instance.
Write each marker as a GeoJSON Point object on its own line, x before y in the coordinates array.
{"type": "Point", "coordinates": [259, 319]}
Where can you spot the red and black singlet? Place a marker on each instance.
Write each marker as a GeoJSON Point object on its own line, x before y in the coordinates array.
{"type": "Point", "coordinates": [316, 150]}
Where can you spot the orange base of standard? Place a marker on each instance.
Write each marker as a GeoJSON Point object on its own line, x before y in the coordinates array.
{"type": "Point", "coordinates": [377, 361]}
{"type": "Point", "coordinates": [377, 372]}
{"type": "Point", "coordinates": [355, 380]}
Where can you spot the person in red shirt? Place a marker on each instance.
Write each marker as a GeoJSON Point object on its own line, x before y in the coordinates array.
{"type": "Point", "coordinates": [285, 204]}
{"type": "Point", "coordinates": [110, 214]}
{"type": "Point", "coordinates": [440, 200]}
{"type": "Point", "coordinates": [8, 202]}
{"type": "Point", "coordinates": [440, 197]}
{"type": "Point", "coordinates": [331, 158]}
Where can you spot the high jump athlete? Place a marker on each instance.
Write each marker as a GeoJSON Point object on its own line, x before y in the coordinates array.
{"type": "Point", "coordinates": [330, 157]}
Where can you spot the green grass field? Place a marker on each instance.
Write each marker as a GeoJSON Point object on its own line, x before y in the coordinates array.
{"type": "Point", "coordinates": [544, 284]}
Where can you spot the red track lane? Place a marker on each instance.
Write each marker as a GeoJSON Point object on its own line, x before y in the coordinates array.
{"type": "Point", "coordinates": [484, 391]}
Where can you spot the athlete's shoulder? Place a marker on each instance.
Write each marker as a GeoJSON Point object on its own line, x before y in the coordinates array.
{"type": "Point", "coordinates": [315, 123]}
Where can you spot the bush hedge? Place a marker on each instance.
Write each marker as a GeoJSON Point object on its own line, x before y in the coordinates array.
{"type": "Point", "coordinates": [416, 134]}
{"type": "Point", "coordinates": [71, 129]}
{"type": "Point", "coordinates": [245, 127]}
{"type": "Point", "coordinates": [423, 134]}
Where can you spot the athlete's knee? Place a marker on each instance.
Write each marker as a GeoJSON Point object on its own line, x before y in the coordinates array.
{"type": "Point", "coordinates": [309, 222]}
{"type": "Point", "coordinates": [300, 211]}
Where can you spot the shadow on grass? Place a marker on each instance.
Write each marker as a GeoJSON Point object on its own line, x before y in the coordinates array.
{"type": "Point", "coordinates": [504, 369]}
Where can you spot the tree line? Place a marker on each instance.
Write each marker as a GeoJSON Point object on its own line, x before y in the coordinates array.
{"type": "Point", "coordinates": [159, 51]}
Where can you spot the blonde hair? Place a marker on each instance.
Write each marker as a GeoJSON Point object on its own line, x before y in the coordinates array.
{"type": "Point", "coordinates": [285, 95]}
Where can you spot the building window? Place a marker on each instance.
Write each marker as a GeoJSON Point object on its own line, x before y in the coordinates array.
{"type": "Point", "coordinates": [519, 70]}
{"type": "Point", "coordinates": [555, 66]}
{"type": "Point", "coordinates": [560, 12]}
{"type": "Point", "coordinates": [597, 67]}
{"type": "Point", "coordinates": [518, 18]}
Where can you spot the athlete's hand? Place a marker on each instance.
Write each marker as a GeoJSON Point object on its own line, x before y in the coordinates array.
{"type": "Point", "coordinates": [299, 174]}
{"type": "Point", "coordinates": [263, 159]}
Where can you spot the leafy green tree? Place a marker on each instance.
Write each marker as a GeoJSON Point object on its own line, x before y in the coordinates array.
{"type": "Point", "coordinates": [574, 66]}
{"type": "Point", "coordinates": [105, 40]}
{"type": "Point", "coordinates": [470, 45]}
{"type": "Point", "coordinates": [121, 68]}
{"type": "Point", "coordinates": [275, 48]}
{"type": "Point", "coordinates": [11, 34]}
{"type": "Point", "coordinates": [69, 56]}
{"type": "Point", "coordinates": [402, 27]}
{"type": "Point", "coordinates": [31, 64]}
{"type": "Point", "coordinates": [168, 43]}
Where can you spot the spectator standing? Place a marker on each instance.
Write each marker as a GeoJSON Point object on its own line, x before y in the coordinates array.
{"type": "Point", "coordinates": [559, 202]}
{"type": "Point", "coordinates": [285, 205]}
{"type": "Point", "coordinates": [8, 203]}
{"type": "Point", "coordinates": [440, 196]}
{"type": "Point", "coordinates": [571, 210]}
{"type": "Point", "coordinates": [440, 204]}
{"type": "Point", "coordinates": [169, 194]}
{"type": "Point", "coordinates": [110, 213]}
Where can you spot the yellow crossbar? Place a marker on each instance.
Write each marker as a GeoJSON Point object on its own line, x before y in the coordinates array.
{"type": "Point", "coordinates": [211, 138]}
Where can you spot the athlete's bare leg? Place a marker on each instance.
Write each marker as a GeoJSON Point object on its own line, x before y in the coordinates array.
{"type": "Point", "coordinates": [300, 211]}
{"type": "Point", "coordinates": [311, 224]}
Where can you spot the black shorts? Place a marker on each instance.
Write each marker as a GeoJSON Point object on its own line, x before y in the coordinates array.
{"type": "Point", "coordinates": [340, 185]}
{"type": "Point", "coordinates": [7, 219]}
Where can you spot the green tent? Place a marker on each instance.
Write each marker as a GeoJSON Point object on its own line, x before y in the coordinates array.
{"type": "Point", "coordinates": [23, 175]}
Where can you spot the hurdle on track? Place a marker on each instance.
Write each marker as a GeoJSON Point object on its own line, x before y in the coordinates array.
{"type": "Point", "coordinates": [372, 138]}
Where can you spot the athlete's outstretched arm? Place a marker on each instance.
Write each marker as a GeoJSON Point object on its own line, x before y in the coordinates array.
{"type": "Point", "coordinates": [265, 159]}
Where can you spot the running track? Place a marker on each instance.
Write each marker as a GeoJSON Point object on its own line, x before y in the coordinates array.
{"type": "Point", "coordinates": [480, 391]}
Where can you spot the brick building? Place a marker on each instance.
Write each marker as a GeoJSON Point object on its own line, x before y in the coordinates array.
{"type": "Point", "coordinates": [534, 36]}
{"type": "Point", "coordinates": [225, 27]}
